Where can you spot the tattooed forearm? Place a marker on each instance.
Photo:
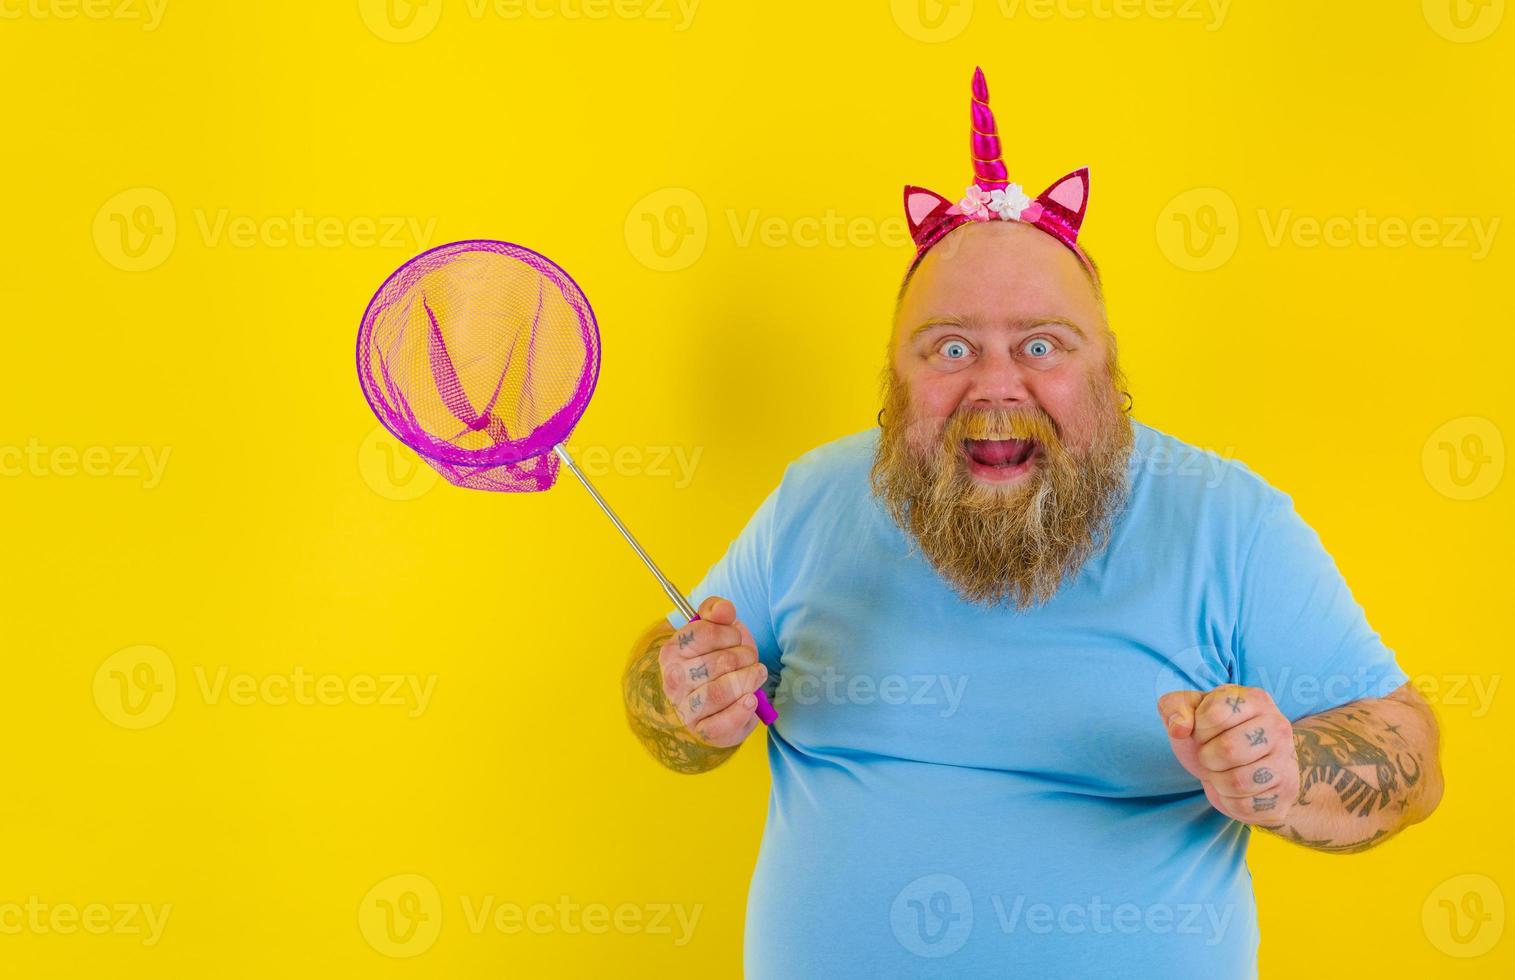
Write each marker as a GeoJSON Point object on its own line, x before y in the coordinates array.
{"type": "Point", "coordinates": [1354, 765]}
{"type": "Point", "coordinates": [653, 719]}
{"type": "Point", "coordinates": [1289, 833]}
{"type": "Point", "coordinates": [1367, 770]}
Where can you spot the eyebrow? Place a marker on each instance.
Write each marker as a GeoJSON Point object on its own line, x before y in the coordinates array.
{"type": "Point", "coordinates": [1023, 325]}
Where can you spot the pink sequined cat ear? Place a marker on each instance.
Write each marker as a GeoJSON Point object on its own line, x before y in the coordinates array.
{"type": "Point", "coordinates": [927, 214]}
{"type": "Point", "coordinates": [1063, 206]}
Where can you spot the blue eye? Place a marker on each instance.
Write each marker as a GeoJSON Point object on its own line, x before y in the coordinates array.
{"type": "Point", "coordinates": [1038, 347]}
{"type": "Point", "coordinates": [954, 350]}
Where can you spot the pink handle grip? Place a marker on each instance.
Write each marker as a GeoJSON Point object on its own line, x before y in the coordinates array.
{"type": "Point", "coordinates": [765, 710]}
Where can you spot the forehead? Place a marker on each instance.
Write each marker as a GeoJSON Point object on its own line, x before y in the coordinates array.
{"type": "Point", "coordinates": [998, 272]}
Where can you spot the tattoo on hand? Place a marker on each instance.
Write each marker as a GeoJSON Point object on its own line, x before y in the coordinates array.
{"type": "Point", "coordinates": [1264, 775]}
{"type": "Point", "coordinates": [1236, 704]}
{"type": "Point", "coordinates": [695, 702]}
{"type": "Point", "coordinates": [685, 639]}
{"type": "Point", "coordinates": [1264, 802]}
{"type": "Point", "coordinates": [657, 724]}
{"type": "Point", "coordinates": [1258, 737]}
{"type": "Point", "coordinates": [699, 673]}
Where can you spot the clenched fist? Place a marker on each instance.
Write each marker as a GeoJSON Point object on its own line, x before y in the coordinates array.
{"type": "Point", "coordinates": [710, 669]}
{"type": "Point", "coordinates": [1239, 746]}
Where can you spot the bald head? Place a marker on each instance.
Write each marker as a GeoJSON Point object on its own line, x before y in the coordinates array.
{"type": "Point", "coordinates": [1006, 239]}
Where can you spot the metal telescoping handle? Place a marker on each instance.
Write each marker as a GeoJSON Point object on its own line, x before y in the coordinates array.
{"type": "Point", "coordinates": [765, 711]}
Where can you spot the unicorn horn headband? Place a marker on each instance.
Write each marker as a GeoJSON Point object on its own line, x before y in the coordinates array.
{"type": "Point", "coordinates": [1058, 210]}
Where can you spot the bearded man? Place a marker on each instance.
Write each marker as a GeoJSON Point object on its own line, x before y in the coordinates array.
{"type": "Point", "coordinates": [1039, 667]}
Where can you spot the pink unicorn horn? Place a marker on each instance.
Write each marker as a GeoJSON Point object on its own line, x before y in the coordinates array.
{"type": "Point", "coordinates": [988, 169]}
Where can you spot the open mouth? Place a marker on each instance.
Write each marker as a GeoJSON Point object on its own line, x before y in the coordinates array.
{"type": "Point", "coordinates": [1000, 452]}
{"type": "Point", "coordinates": [1000, 457]}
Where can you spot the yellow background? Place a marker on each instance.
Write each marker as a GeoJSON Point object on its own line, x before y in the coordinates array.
{"type": "Point", "coordinates": [283, 533]}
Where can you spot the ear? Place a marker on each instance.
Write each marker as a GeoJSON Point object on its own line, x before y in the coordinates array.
{"type": "Point", "coordinates": [921, 207]}
{"type": "Point", "coordinates": [1067, 200]}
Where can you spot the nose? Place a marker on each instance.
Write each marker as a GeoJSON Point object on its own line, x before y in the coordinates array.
{"type": "Point", "coordinates": [998, 382]}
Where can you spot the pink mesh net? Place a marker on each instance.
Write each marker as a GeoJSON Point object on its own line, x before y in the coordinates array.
{"type": "Point", "coordinates": [481, 356]}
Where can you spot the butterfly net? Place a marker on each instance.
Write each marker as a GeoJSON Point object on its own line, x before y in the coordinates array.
{"type": "Point", "coordinates": [481, 356]}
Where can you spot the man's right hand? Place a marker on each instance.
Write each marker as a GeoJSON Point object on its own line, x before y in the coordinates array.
{"type": "Point", "coordinates": [710, 669]}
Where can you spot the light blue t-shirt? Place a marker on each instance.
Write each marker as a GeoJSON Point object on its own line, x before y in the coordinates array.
{"type": "Point", "coordinates": [966, 792]}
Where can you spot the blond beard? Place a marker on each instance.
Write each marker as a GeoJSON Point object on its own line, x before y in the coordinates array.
{"type": "Point", "coordinates": [1013, 544]}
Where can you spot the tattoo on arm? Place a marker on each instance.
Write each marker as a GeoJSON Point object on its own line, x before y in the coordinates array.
{"type": "Point", "coordinates": [1289, 833]}
{"type": "Point", "coordinates": [1357, 760]}
{"type": "Point", "coordinates": [1361, 772]}
{"type": "Point", "coordinates": [655, 723]}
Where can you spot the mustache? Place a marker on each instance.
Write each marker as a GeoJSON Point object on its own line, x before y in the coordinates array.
{"type": "Point", "coordinates": [939, 441]}
{"type": "Point", "coordinates": [1003, 423]}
